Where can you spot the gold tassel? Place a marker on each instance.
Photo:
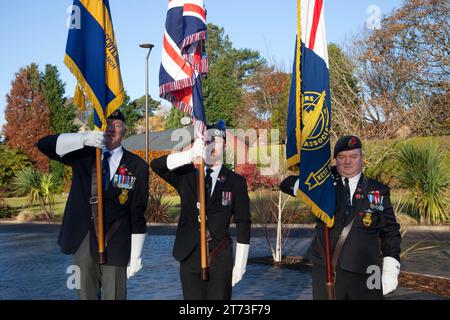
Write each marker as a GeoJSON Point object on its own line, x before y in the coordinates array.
{"type": "Point", "coordinates": [79, 99]}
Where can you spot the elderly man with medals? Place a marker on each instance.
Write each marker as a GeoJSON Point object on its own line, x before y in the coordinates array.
{"type": "Point", "coordinates": [365, 229]}
{"type": "Point", "coordinates": [125, 196]}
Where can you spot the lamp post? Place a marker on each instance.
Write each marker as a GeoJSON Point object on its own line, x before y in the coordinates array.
{"type": "Point", "coordinates": [148, 46]}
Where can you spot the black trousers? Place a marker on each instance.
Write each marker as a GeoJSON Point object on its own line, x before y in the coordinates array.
{"type": "Point", "coordinates": [218, 286]}
{"type": "Point", "coordinates": [348, 285]}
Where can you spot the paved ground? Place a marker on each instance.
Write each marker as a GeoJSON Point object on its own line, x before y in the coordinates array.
{"type": "Point", "coordinates": [32, 267]}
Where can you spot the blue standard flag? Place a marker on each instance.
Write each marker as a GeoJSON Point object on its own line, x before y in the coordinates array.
{"type": "Point", "coordinates": [92, 56]}
{"type": "Point", "coordinates": [309, 116]}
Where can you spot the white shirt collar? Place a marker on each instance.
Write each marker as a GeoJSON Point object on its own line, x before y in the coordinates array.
{"type": "Point", "coordinates": [354, 180]}
{"type": "Point", "coordinates": [353, 183]}
{"type": "Point", "coordinates": [114, 160]}
{"type": "Point", "coordinates": [114, 152]}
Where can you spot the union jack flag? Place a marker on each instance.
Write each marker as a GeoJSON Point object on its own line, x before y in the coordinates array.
{"type": "Point", "coordinates": [184, 60]}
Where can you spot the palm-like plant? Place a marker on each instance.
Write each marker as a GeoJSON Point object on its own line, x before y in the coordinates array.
{"type": "Point", "coordinates": [48, 185]}
{"type": "Point", "coordinates": [37, 187]}
{"type": "Point", "coordinates": [421, 170]}
{"type": "Point", "coordinates": [28, 182]}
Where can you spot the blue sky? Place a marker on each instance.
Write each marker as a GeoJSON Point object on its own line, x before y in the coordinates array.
{"type": "Point", "coordinates": [35, 31]}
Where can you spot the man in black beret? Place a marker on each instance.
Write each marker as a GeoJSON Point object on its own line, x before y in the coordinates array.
{"type": "Point", "coordinates": [125, 197]}
{"type": "Point", "coordinates": [365, 228]}
{"type": "Point", "coordinates": [226, 197]}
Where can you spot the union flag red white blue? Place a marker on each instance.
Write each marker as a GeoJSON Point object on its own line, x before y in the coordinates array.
{"type": "Point", "coordinates": [184, 60]}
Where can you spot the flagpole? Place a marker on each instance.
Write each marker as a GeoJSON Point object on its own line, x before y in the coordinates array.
{"type": "Point", "coordinates": [329, 281]}
{"type": "Point", "coordinates": [101, 233]}
{"type": "Point", "coordinates": [203, 247]}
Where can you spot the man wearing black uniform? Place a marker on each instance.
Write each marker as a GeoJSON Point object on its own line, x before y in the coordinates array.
{"type": "Point", "coordinates": [226, 196]}
{"type": "Point", "coordinates": [364, 219]}
{"type": "Point", "coordinates": [125, 196]}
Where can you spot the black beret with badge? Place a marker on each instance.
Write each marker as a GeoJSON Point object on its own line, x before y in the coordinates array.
{"type": "Point", "coordinates": [217, 129]}
{"type": "Point", "coordinates": [117, 115]}
{"type": "Point", "coordinates": [347, 143]}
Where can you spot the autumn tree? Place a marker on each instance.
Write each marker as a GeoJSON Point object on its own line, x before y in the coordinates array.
{"type": "Point", "coordinates": [347, 115]}
{"type": "Point", "coordinates": [27, 115]}
{"type": "Point", "coordinates": [266, 99]}
{"type": "Point", "coordinates": [403, 69]}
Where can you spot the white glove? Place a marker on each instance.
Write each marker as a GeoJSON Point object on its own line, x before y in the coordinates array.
{"type": "Point", "coordinates": [179, 159]}
{"type": "Point", "coordinates": [389, 278]}
{"type": "Point", "coordinates": [94, 139]}
{"type": "Point", "coordinates": [68, 142]}
{"type": "Point", "coordinates": [135, 264]}
{"type": "Point", "coordinates": [240, 262]}
{"type": "Point", "coordinates": [295, 188]}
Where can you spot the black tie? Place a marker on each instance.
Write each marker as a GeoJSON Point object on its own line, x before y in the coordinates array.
{"type": "Point", "coordinates": [347, 195]}
{"type": "Point", "coordinates": [106, 171]}
{"type": "Point", "coordinates": [208, 182]}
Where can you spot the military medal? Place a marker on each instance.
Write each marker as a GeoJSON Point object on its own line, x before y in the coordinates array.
{"type": "Point", "coordinates": [367, 220]}
{"type": "Point", "coordinates": [376, 200]}
{"type": "Point", "coordinates": [226, 198]}
{"type": "Point", "coordinates": [123, 196]}
{"type": "Point", "coordinates": [124, 181]}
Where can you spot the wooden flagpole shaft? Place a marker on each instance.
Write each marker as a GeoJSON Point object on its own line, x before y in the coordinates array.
{"type": "Point", "coordinates": [101, 233]}
{"type": "Point", "coordinates": [203, 247]}
{"type": "Point", "coordinates": [329, 281]}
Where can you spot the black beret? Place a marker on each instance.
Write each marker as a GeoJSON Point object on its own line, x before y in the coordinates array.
{"type": "Point", "coordinates": [117, 115]}
{"type": "Point", "coordinates": [347, 143]}
{"type": "Point", "coordinates": [217, 129]}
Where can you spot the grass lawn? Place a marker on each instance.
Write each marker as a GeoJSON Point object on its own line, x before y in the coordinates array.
{"type": "Point", "coordinates": [20, 203]}
{"type": "Point", "coordinates": [404, 213]}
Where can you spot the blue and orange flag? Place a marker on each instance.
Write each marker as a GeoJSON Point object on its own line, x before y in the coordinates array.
{"type": "Point", "coordinates": [309, 116]}
{"type": "Point", "coordinates": [92, 56]}
{"type": "Point", "coordinates": [184, 60]}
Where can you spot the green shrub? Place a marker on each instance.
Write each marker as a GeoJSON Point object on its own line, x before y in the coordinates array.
{"type": "Point", "coordinates": [423, 172]}
{"type": "Point", "coordinates": [58, 171]}
{"type": "Point", "coordinates": [5, 211]}
{"type": "Point", "coordinates": [11, 162]}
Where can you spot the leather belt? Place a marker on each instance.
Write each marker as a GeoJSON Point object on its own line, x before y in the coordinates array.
{"type": "Point", "coordinates": [217, 250]}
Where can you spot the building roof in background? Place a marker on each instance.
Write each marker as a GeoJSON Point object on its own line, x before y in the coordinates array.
{"type": "Point", "coordinates": [159, 141]}
{"type": "Point", "coordinates": [163, 141]}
